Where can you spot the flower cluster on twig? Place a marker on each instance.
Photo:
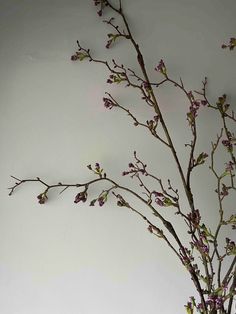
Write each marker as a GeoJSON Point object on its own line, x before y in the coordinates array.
{"type": "Point", "coordinates": [211, 267]}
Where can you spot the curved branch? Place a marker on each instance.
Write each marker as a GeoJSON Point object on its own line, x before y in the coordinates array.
{"type": "Point", "coordinates": [82, 196]}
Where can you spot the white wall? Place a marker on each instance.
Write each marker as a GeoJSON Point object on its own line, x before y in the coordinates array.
{"type": "Point", "coordinates": [66, 258]}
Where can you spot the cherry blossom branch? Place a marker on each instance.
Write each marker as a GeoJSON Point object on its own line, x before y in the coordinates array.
{"type": "Point", "coordinates": [204, 244]}
{"type": "Point", "coordinates": [82, 196]}
{"type": "Point", "coordinates": [102, 198]}
{"type": "Point", "coordinates": [156, 107]}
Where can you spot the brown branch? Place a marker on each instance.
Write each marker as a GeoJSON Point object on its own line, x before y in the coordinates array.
{"type": "Point", "coordinates": [152, 228]}
{"type": "Point", "coordinates": [225, 280]}
{"type": "Point", "coordinates": [232, 291]}
{"type": "Point", "coordinates": [136, 122]}
{"type": "Point", "coordinates": [86, 185]}
{"type": "Point", "coordinates": [155, 104]}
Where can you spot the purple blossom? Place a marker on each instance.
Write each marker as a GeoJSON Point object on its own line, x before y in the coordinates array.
{"type": "Point", "coordinates": [110, 80]}
{"type": "Point", "coordinates": [229, 166]}
{"type": "Point", "coordinates": [109, 42]}
{"type": "Point", "coordinates": [219, 302]}
{"type": "Point", "coordinates": [102, 3]}
{"type": "Point", "coordinates": [108, 103]}
{"type": "Point", "coordinates": [42, 198]}
{"type": "Point", "coordinates": [79, 56]}
{"type": "Point", "coordinates": [156, 118]}
{"type": "Point", "coordinates": [101, 201]}
{"type": "Point", "coordinates": [215, 302]}
{"type": "Point", "coordinates": [102, 198]}
{"type": "Point", "coordinates": [195, 105]}
{"type": "Point", "coordinates": [74, 58]}
{"type": "Point", "coordinates": [199, 306]}
{"type": "Point", "coordinates": [193, 109]}
{"type": "Point", "coordinates": [159, 202]}
{"type": "Point", "coordinates": [194, 217]}
{"type": "Point", "coordinates": [224, 191]}
{"type": "Point", "coordinates": [231, 45]}
{"type": "Point", "coordinates": [203, 248]}
{"type": "Point", "coordinates": [81, 197]}
{"type": "Point", "coordinates": [227, 144]}
{"type": "Point", "coordinates": [124, 173]}
{"type": "Point", "coordinates": [146, 86]}
{"type": "Point", "coordinates": [161, 67]}
{"type": "Point", "coordinates": [200, 245]}
{"type": "Point", "coordinates": [98, 170]}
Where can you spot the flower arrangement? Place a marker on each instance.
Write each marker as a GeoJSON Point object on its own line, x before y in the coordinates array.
{"type": "Point", "coordinates": [211, 266]}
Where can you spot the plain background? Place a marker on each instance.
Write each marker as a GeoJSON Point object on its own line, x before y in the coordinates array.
{"type": "Point", "coordinates": [66, 258]}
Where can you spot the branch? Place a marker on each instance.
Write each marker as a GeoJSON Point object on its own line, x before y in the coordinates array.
{"type": "Point", "coordinates": [150, 125]}
{"type": "Point", "coordinates": [152, 228]}
{"type": "Point", "coordinates": [82, 196]}
{"type": "Point", "coordinates": [232, 291]}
